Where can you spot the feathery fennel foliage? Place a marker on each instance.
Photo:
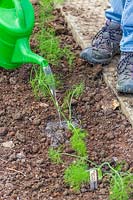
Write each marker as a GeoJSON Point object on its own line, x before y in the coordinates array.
{"type": "Point", "coordinates": [76, 174]}
{"type": "Point", "coordinates": [49, 43]}
{"type": "Point", "coordinates": [55, 155]}
{"type": "Point", "coordinates": [75, 92]}
{"type": "Point", "coordinates": [77, 142]}
{"type": "Point", "coordinates": [121, 187]}
{"type": "Point", "coordinates": [41, 83]}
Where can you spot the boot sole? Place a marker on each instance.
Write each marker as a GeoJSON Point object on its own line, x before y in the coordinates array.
{"type": "Point", "coordinates": [125, 90]}
{"type": "Point", "coordinates": [92, 60]}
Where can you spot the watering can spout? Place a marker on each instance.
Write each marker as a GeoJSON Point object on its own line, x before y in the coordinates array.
{"type": "Point", "coordinates": [22, 54]}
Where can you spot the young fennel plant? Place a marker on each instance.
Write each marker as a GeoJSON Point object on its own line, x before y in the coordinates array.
{"type": "Point", "coordinates": [77, 173]}
{"type": "Point", "coordinates": [75, 92]}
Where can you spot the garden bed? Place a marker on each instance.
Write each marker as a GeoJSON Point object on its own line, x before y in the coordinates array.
{"type": "Point", "coordinates": [25, 169]}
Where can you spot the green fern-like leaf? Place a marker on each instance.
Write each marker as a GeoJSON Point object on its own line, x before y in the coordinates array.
{"type": "Point", "coordinates": [121, 188]}
{"type": "Point", "coordinates": [55, 155]}
{"type": "Point", "coordinates": [42, 83]}
{"type": "Point", "coordinates": [78, 141]}
{"type": "Point", "coordinates": [76, 174]}
{"type": "Point", "coordinates": [75, 92]}
{"type": "Point", "coordinates": [78, 90]}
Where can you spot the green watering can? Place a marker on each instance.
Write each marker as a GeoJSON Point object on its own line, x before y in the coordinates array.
{"type": "Point", "coordinates": [16, 25]}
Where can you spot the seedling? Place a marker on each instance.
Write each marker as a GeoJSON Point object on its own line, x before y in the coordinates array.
{"type": "Point", "coordinates": [78, 173]}
{"type": "Point", "coordinates": [75, 92]}
{"type": "Point", "coordinates": [42, 83]}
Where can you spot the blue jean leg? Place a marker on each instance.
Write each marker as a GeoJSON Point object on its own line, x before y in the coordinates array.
{"type": "Point", "coordinates": [127, 27]}
{"type": "Point", "coordinates": [116, 10]}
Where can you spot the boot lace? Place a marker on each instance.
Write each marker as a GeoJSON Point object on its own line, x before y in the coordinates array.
{"type": "Point", "coordinates": [105, 38]}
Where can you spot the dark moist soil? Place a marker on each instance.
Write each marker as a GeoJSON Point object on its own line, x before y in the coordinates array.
{"type": "Point", "coordinates": [26, 172]}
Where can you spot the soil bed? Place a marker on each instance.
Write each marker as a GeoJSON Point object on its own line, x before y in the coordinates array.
{"type": "Point", "coordinates": [25, 171]}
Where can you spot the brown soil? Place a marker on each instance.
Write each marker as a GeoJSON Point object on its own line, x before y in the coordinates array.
{"type": "Point", "coordinates": [26, 172]}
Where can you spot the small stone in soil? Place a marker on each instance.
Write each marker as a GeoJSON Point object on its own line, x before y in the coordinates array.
{"type": "Point", "coordinates": [35, 149]}
{"type": "Point", "coordinates": [36, 122]}
{"type": "Point", "coordinates": [20, 137]}
{"type": "Point", "coordinates": [40, 161]}
{"type": "Point", "coordinates": [13, 80]}
{"type": "Point", "coordinates": [8, 144]}
{"type": "Point", "coordinates": [3, 131]}
{"type": "Point", "coordinates": [18, 116]}
{"type": "Point", "coordinates": [12, 157]}
{"type": "Point", "coordinates": [20, 155]}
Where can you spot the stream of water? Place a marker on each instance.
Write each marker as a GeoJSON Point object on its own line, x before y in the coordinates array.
{"type": "Point", "coordinates": [51, 83]}
{"type": "Point", "coordinates": [58, 110]}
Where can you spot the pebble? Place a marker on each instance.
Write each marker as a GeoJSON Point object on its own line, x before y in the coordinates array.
{"type": "Point", "coordinates": [17, 116]}
{"type": "Point", "coordinates": [44, 105]}
{"type": "Point", "coordinates": [103, 191]}
{"type": "Point", "coordinates": [8, 144]}
{"type": "Point", "coordinates": [3, 131]}
{"type": "Point", "coordinates": [20, 155]}
{"type": "Point", "coordinates": [37, 185]}
{"type": "Point", "coordinates": [102, 154]}
{"type": "Point", "coordinates": [36, 122]}
{"type": "Point", "coordinates": [57, 185]}
{"type": "Point", "coordinates": [110, 136]}
{"type": "Point", "coordinates": [2, 79]}
{"type": "Point", "coordinates": [9, 188]}
{"type": "Point", "coordinates": [1, 186]}
{"type": "Point", "coordinates": [35, 149]}
{"type": "Point", "coordinates": [54, 174]}
{"type": "Point", "coordinates": [40, 161]}
{"type": "Point", "coordinates": [114, 159]}
{"type": "Point", "coordinates": [20, 137]}
{"type": "Point", "coordinates": [83, 190]}
{"type": "Point", "coordinates": [65, 193]}
{"type": "Point", "coordinates": [12, 157]}
{"type": "Point", "coordinates": [2, 112]}
{"type": "Point", "coordinates": [43, 140]}
{"type": "Point", "coordinates": [13, 80]}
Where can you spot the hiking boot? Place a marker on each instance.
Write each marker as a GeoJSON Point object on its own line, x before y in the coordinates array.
{"type": "Point", "coordinates": [125, 73]}
{"type": "Point", "coordinates": [105, 44]}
